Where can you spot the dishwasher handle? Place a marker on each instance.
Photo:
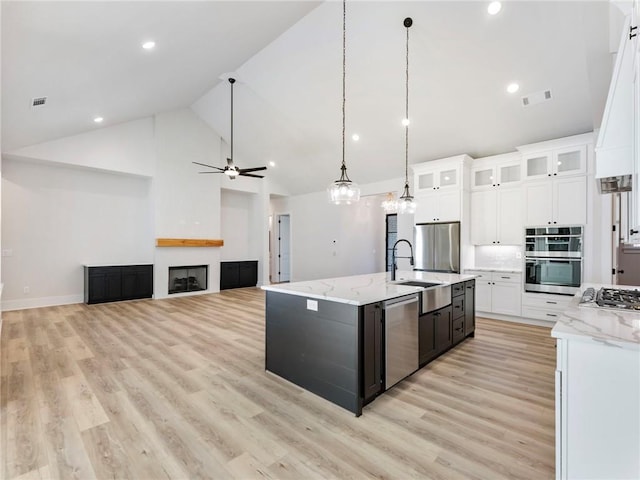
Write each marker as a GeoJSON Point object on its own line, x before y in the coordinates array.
{"type": "Point", "coordinates": [398, 302]}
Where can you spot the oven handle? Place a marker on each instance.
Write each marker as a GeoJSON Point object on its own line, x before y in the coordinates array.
{"type": "Point", "coordinates": [553, 259]}
{"type": "Point", "coordinates": [555, 236]}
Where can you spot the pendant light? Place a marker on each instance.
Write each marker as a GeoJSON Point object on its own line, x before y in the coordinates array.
{"type": "Point", "coordinates": [343, 190]}
{"type": "Point", "coordinates": [390, 204]}
{"type": "Point", "coordinates": [406, 204]}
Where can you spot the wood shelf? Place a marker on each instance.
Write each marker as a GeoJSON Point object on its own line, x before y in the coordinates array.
{"type": "Point", "coordinates": [189, 242]}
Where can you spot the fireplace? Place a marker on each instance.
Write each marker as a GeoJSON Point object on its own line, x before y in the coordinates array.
{"type": "Point", "coordinates": [191, 278]}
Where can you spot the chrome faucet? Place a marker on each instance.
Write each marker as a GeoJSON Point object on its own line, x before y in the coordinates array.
{"type": "Point", "coordinates": [393, 256]}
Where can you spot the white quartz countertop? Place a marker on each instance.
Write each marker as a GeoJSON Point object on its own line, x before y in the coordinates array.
{"type": "Point", "coordinates": [615, 328]}
{"type": "Point", "coordinates": [364, 289]}
{"type": "Point", "coordinates": [94, 265]}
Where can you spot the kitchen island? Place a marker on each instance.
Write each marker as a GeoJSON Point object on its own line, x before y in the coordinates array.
{"type": "Point", "coordinates": [327, 335]}
{"type": "Point", "coordinates": [597, 391]}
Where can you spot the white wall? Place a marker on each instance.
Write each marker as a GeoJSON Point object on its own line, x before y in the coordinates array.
{"type": "Point", "coordinates": [239, 218]}
{"type": "Point", "coordinates": [125, 148]}
{"type": "Point", "coordinates": [56, 218]}
{"type": "Point", "coordinates": [187, 204]}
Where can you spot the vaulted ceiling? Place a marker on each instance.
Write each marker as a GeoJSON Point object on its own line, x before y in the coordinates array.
{"type": "Point", "coordinates": [287, 55]}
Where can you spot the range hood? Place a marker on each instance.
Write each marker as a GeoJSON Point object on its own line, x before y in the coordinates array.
{"type": "Point", "coordinates": [620, 183]}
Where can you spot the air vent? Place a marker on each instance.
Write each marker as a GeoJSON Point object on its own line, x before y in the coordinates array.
{"type": "Point", "coordinates": [38, 101]}
{"type": "Point", "coordinates": [537, 97]}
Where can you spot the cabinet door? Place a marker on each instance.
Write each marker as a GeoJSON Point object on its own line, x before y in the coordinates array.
{"type": "Point", "coordinates": [427, 338]}
{"type": "Point", "coordinates": [448, 178]}
{"type": "Point", "coordinates": [427, 210]}
{"type": "Point", "coordinates": [372, 350]}
{"type": "Point", "coordinates": [538, 203]}
{"type": "Point", "coordinates": [105, 284]}
{"type": "Point", "coordinates": [229, 275]}
{"type": "Point", "coordinates": [443, 326]}
{"type": "Point", "coordinates": [449, 206]}
{"type": "Point", "coordinates": [510, 230]}
{"type": "Point", "coordinates": [537, 165]}
{"type": "Point", "coordinates": [248, 274]}
{"type": "Point", "coordinates": [483, 295]}
{"type": "Point", "coordinates": [570, 200]}
{"type": "Point", "coordinates": [570, 161]}
{"type": "Point", "coordinates": [483, 217]}
{"type": "Point", "coordinates": [509, 175]}
{"type": "Point", "coordinates": [469, 307]}
{"type": "Point", "coordinates": [506, 298]}
{"type": "Point", "coordinates": [483, 177]}
{"type": "Point", "coordinates": [425, 182]}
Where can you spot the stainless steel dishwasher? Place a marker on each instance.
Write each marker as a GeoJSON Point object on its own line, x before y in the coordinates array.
{"type": "Point", "coordinates": [401, 338]}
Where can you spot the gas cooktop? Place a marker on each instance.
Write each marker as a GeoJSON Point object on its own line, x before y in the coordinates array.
{"type": "Point", "coordinates": [612, 298]}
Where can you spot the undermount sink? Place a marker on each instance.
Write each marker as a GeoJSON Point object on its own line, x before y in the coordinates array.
{"type": "Point", "coordinates": [418, 283]}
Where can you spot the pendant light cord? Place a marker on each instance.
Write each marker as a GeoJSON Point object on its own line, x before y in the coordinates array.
{"type": "Point", "coordinates": [406, 105]}
{"type": "Point", "coordinates": [344, 67]}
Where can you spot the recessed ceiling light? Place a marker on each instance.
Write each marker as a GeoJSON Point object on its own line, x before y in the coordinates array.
{"type": "Point", "coordinates": [272, 164]}
{"type": "Point", "coordinates": [149, 45]}
{"type": "Point", "coordinates": [494, 8]}
{"type": "Point", "coordinates": [513, 87]}
{"type": "Point", "coordinates": [405, 122]}
{"type": "Point", "coordinates": [98, 119]}
{"type": "Point", "coordinates": [355, 137]}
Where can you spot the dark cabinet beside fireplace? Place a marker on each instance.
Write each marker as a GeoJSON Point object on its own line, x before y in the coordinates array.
{"type": "Point", "coordinates": [117, 282]}
{"type": "Point", "coordinates": [238, 274]}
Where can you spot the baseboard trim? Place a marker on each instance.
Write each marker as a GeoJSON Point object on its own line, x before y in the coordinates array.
{"type": "Point", "coordinates": [510, 318]}
{"type": "Point", "coordinates": [9, 305]}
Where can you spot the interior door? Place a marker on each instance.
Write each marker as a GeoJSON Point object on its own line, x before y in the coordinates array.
{"type": "Point", "coordinates": [284, 246]}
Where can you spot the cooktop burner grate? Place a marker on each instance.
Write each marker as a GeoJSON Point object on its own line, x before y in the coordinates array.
{"type": "Point", "coordinates": [618, 298]}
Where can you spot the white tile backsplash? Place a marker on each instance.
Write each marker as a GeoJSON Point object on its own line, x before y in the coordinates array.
{"type": "Point", "coordinates": [499, 256]}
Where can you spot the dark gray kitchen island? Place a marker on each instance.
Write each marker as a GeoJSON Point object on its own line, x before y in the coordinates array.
{"type": "Point", "coordinates": [327, 336]}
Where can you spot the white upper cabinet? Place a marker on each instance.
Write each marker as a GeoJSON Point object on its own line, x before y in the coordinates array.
{"type": "Point", "coordinates": [496, 217]}
{"type": "Point", "coordinates": [561, 201]}
{"type": "Point", "coordinates": [496, 171]}
{"type": "Point", "coordinates": [553, 163]}
{"type": "Point", "coordinates": [440, 179]}
{"type": "Point", "coordinates": [439, 207]}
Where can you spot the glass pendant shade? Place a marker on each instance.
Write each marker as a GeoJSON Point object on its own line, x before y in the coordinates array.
{"type": "Point", "coordinates": [406, 204]}
{"type": "Point", "coordinates": [343, 191]}
{"type": "Point", "coordinates": [389, 205]}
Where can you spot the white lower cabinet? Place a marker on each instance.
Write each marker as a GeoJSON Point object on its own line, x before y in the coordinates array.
{"type": "Point", "coordinates": [544, 306]}
{"type": "Point", "coordinates": [497, 292]}
{"type": "Point", "coordinates": [597, 413]}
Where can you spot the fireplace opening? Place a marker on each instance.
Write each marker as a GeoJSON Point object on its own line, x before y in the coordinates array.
{"type": "Point", "coordinates": [191, 278]}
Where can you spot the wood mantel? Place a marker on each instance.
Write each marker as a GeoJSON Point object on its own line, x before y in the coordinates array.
{"type": "Point", "coordinates": [188, 242]}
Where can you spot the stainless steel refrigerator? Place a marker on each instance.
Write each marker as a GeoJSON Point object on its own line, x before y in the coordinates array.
{"type": "Point", "coordinates": [437, 247]}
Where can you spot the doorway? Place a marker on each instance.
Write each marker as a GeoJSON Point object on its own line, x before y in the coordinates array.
{"type": "Point", "coordinates": [283, 245]}
{"type": "Point", "coordinates": [391, 235]}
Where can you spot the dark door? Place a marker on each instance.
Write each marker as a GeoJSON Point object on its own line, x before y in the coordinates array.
{"type": "Point", "coordinates": [229, 275]}
{"type": "Point", "coordinates": [469, 307]}
{"type": "Point", "coordinates": [372, 350]}
{"type": "Point", "coordinates": [390, 238]}
{"type": "Point", "coordinates": [427, 335]}
{"type": "Point", "coordinates": [443, 325]}
{"type": "Point", "coordinates": [137, 282]}
{"type": "Point", "coordinates": [105, 284]}
{"type": "Point", "coordinates": [248, 274]}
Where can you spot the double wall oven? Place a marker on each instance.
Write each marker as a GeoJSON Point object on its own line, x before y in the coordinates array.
{"type": "Point", "coordinates": [553, 259]}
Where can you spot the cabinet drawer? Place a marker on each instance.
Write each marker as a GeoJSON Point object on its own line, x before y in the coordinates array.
{"type": "Point", "coordinates": [541, 314]}
{"type": "Point", "coordinates": [457, 289]}
{"type": "Point", "coordinates": [104, 271]}
{"type": "Point", "coordinates": [507, 277]}
{"type": "Point", "coordinates": [458, 329]}
{"type": "Point", "coordinates": [546, 302]}
{"type": "Point", "coordinates": [458, 307]}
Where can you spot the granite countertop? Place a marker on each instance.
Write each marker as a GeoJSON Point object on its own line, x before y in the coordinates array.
{"type": "Point", "coordinates": [364, 289]}
{"type": "Point", "coordinates": [615, 328]}
{"type": "Point", "coordinates": [494, 269]}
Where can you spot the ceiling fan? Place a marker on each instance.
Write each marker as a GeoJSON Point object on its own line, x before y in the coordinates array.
{"type": "Point", "coordinates": [230, 169]}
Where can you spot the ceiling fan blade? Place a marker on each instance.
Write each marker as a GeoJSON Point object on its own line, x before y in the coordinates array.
{"type": "Point", "coordinates": [205, 165]}
{"type": "Point", "coordinates": [256, 169]}
{"type": "Point", "coordinates": [251, 175]}
{"type": "Point", "coordinates": [213, 172]}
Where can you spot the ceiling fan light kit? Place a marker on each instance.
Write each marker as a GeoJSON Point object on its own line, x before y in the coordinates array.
{"type": "Point", "coordinates": [231, 170]}
{"type": "Point", "coordinates": [343, 191]}
{"type": "Point", "coordinates": [406, 203]}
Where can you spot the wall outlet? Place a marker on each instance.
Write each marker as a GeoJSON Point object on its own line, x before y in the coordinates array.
{"type": "Point", "coordinates": [26, 290]}
{"type": "Point", "coordinates": [518, 255]}
{"type": "Point", "coordinates": [312, 305]}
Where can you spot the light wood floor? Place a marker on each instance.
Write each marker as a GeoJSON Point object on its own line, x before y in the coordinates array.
{"type": "Point", "coordinates": [177, 389]}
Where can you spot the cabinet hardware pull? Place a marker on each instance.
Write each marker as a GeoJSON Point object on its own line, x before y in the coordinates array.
{"type": "Point", "coordinates": [633, 232]}
{"type": "Point", "coordinates": [506, 278]}
{"type": "Point", "coordinates": [552, 303]}
{"type": "Point", "coordinates": [551, 315]}
{"type": "Point", "coordinates": [631, 30]}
